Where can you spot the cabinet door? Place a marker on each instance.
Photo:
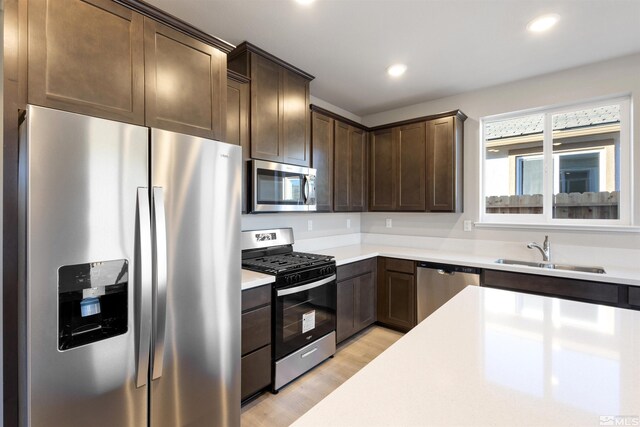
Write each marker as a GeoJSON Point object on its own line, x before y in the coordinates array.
{"type": "Point", "coordinates": [255, 372]}
{"type": "Point", "coordinates": [580, 290]}
{"type": "Point", "coordinates": [86, 57]}
{"type": "Point", "coordinates": [322, 133]}
{"type": "Point", "coordinates": [295, 117]}
{"type": "Point", "coordinates": [383, 171]}
{"type": "Point", "coordinates": [237, 113]}
{"type": "Point", "coordinates": [185, 83]}
{"type": "Point", "coordinates": [342, 187]}
{"type": "Point", "coordinates": [238, 126]}
{"type": "Point", "coordinates": [345, 314]}
{"type": "Point", "coordinates": [365, 301]}
{"type": "Point", "coordinates": [396, 305]}
{"type": "Point", "coordinates": [358, 170]}
{"type": "Point", "coordinates": [444, 157]}
{"type": "Point", "coordinates": [411, 146]}
{"type": "Point", "coordinates": [266, 109]}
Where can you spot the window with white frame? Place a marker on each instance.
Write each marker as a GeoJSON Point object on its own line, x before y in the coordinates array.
{"type": "Point", "coordinates": [563, 165]}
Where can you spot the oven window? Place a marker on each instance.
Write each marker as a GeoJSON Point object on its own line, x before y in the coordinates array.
{"type": "Point", "coordinates": [279, 188]}
{"type": "Point", "coordinates": [305, 312]}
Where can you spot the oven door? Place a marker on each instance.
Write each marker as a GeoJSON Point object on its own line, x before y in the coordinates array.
{"type": "Point", "coordinates": [278, 187]}
{"type": "Point", "coordinates": [303, 313]}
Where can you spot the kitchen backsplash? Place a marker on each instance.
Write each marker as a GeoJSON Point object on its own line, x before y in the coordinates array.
{"type": "Point", "coordinates": [306, 225]}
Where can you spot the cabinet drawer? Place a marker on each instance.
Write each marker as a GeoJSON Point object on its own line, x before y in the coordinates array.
{"type": "Point", "coordinates": [400, 265]}
{"type": "Point", "coordinates": [634, 296]}
{"type": "Point", "coordinates": [256, 371]}
{"type": "Point", "coordinates": [552, 286]}
{"type": "Point", "coordinates": [256, 297]}
{"type": "Point", "coordinates": [356, 269]}
{"type": "Point", "coordinates": [256, 329]}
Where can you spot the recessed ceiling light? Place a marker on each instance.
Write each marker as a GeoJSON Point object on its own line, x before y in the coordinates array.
{"type": "Point", "coordinates": [305, 2]}
{"type": "Point", "coordinates": [396, 70]}
{"type": "Point", "coordinates": [543, 23]}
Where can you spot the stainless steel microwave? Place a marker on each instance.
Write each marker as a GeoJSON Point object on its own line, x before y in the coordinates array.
{"type": "Point", "coordinates": [278, 187]}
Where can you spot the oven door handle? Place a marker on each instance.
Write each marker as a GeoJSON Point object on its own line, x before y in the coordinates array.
{"type": "Point", "coordinates": [289, 291]}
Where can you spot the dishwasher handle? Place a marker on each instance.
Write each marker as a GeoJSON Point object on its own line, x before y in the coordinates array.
{"type": "Point", "coordinates": [448, 269]}
{"type": "Point", "coordinates": [442, 272]}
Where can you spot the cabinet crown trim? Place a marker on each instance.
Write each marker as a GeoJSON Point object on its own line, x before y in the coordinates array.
{"type": "Point", "coordinates": [240, 78]}
{"type": "Point", "coordinates": [178, 24]}
{"type": "Point", "coordinates": [248, 47]}
{"type": "Point", "coordinates": [453, 113]}
{"type": "Point", "coordinates": [336, 116]}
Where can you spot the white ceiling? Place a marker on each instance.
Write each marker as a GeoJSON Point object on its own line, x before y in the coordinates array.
{"type": "Point", "coordinates": [450, 46]}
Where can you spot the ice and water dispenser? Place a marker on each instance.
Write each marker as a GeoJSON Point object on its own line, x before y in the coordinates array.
{"type": "Point", "coordinates": [92, 302]}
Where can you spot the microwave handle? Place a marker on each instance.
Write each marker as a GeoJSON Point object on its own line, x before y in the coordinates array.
{"type": "Point", "coordinates": [305, 192]}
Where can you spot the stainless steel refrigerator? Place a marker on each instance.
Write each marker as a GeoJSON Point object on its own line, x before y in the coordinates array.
{"type": "Point", "coordinates": [129, 275]}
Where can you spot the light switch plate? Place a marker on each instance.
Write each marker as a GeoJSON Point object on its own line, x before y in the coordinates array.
{"type": "Point", "coordinates": [348, 222]}
{"type": "Point", "coordinates": [389, 223]}
{"type": "Point", "coordinates": [309, 225]}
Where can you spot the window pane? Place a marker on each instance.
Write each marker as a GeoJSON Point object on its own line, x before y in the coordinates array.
{"type": "Point", "coordinates": [586, 163]}
{"type": "Point", "coordinates": [513, 166]}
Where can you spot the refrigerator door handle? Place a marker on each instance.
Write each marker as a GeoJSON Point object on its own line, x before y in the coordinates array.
{"type": "Point", "coordinates": [159, 282]}
{"type": "Point", "coordinates": [143, 286]}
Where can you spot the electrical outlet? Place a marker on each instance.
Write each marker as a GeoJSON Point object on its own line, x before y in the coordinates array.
{"type": "Point", "coordinates": [467, 224]}
{"type": "Point", "coordinates": [348, 222]}
{"type": "Point", "coordinates": [389, 223]}
{"type": "Point", "coordinates": [309, 225]}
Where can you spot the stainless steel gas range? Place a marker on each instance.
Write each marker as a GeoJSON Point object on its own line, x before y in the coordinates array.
{"type": "Point", "coordinates": [303, 300]}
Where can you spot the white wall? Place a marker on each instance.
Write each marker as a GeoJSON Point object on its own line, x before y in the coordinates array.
{"type": "Point", "coordinates": [323, 224]}
{"type": "Point", "coordinates": [344, 113]}
{"type": "Point", "coordinates": [613, 77]}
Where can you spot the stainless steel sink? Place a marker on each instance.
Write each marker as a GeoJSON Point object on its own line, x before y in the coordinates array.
{"type": "Point", "coordinates": [552, 266]}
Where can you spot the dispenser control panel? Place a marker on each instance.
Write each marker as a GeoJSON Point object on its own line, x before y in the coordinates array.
{"type": "Point", "coordinates": [92, 302]}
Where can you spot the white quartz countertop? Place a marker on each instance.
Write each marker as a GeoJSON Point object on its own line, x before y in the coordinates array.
{"type": "Point", "coordinates": [499, 358]}
{"type": "Point", "coordinates": [252, 279]}
{"type": "Point", "coordinates": [353, 253]}
{"type": "Point", "coordinates": [348, 254]}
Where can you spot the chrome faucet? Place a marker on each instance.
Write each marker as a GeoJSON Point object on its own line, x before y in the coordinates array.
{"type": "Point", "coordinates": [545, 249]}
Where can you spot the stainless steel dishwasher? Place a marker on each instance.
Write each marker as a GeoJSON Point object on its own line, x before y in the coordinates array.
{"type": "Point", "coordinates": [438, 283]}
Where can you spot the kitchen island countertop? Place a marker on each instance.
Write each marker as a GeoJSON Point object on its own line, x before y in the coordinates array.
{"type": "Point", "coordinates": [500, 358]}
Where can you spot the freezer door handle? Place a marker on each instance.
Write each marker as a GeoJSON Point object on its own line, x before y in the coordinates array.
{"type": "Point", "coordinates": [143, 285]}
{"type": "Point", "coordinates": [159, 282]}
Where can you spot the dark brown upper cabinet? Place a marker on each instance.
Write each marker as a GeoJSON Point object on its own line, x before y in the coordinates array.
{"type": "Point", "coordinates": [350, 186]}
{"type": "Point", "coordinates": [86, 57]}
{"type": "Point", "coordinates": [444, 164]}
{"type": "Point", "coordinates": [322, 129]}
{"type": "Point", "coordinates": [339, 148]}
{"type": "Point", "coordinates": [411, 148]}
{"type": "Point", "coordinates": [383, 171]}
{"type": "Point", "coordinates": [416, 165]}
{"type": "Point", "coordinates": [398, 166]}
{"type": "Point", "coordinates": [280, 118]}
{"type": "Point", "coordinates": [238, 122]}
{"type": "Point", "coordinates": [185, 83]}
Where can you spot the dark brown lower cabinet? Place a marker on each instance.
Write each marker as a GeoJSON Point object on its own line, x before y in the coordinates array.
{"type": "Point", "coordinates": [256, 340]}
{"type": "Point", "coordinates": [579, 290]}
{"type": "Point", "coordinates": [396, 293]}
{"type": "Point", "coordinates": [356, 308]}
